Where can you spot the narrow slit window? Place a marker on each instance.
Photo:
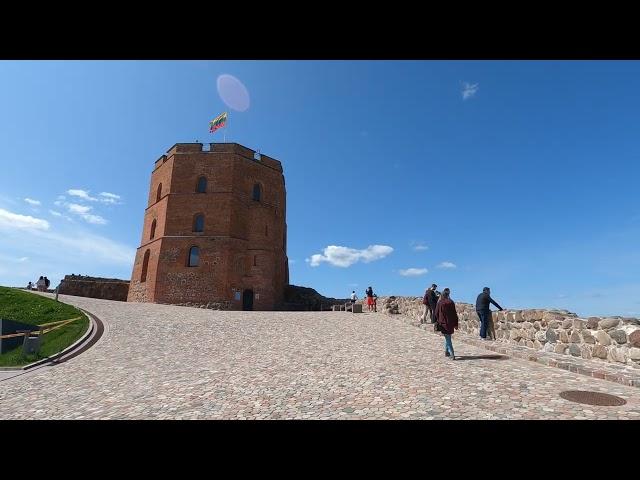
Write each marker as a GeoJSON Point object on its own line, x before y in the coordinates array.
{"type": "Point", "coordinates": [194, 257]}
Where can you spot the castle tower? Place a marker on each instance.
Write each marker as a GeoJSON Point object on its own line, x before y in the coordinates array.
{"type": "Point", "coordinates": [214, 230]}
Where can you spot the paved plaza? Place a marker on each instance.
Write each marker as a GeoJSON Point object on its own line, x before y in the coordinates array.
{"type": "Point", "coordinates": [168, 362]}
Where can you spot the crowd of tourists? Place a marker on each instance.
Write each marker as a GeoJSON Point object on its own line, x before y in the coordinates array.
{"type": "Point", "coordinates": [42, 285]}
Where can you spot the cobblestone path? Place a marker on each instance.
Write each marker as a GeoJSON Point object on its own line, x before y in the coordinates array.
{"type": "Point", "coordinates": [166, 362]}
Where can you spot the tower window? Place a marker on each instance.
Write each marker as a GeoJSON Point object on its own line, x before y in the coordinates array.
{"type": "Point", "coordinates": [198, 223]}
{"type": "Point", "coordinates": [159, 194]}
{"type": "Point", "coordinates": [257, 192]}
{"type": "Point", "coordinates": [202, 185]}
{"type": "Point", "coordinates": [145, 266]}
{"type": "Point", "coordinates": [194, 257]}
{"type": "Point", "coordinates": [153, 229]}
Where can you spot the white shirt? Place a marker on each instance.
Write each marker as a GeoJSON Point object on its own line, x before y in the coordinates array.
{"type": "Point", "coordinates": [354, 296]}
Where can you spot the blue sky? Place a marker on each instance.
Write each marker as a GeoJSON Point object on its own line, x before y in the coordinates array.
{"type": "Point", "coordinates": [521, 176]}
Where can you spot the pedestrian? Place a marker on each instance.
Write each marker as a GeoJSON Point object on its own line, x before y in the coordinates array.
{"type": "Point", "coordinates": [47, 282]}
{"type": "Point", "coordinates": [354, 297]}
{"type": "Point", "coordinates": [447, 319]}
{"type": "Point", "coordinates": [432, 301]}
{"type": "Point", "coordinates": [483, 309]}
{"type": "Point", "coordinates": [40, 284]}
{"type": "Point", "coordinates": [375, 302]}
{"type": "Point", "coordinates": [369, 293]}
{"type": "Point", "coordinates": [30, 286]}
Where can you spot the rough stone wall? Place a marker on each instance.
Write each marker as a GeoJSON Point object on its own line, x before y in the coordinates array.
{"type": "Point", "coordinates": [95, 287]}
{"type": "Point", "coordinates": [610, 339]}
{"type": "Point", "coordinates": [243, 245]}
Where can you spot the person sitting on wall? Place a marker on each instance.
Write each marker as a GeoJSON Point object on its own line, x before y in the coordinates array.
{"type": "Point", "coordinates": [30, 286]}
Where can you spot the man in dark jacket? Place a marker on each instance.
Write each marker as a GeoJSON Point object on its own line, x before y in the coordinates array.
{"type": "Point", "coordinates": [484, 311]}
{"type": "Point", "coordinates": [432, 299]}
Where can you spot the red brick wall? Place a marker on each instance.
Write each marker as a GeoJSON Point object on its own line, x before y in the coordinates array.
{"type": "Point", "coordinates": [235, 229]}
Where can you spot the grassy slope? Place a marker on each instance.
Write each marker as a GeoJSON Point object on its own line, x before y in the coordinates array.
{"type": "Point", "coordinates": [33, 309]}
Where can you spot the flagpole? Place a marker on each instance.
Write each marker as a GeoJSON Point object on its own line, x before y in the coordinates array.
{"type": "Point", "coordinates": [225, 128]}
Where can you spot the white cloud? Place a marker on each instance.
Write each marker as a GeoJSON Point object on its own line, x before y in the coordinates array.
{"type": "Point", "coordinates": [55, 214]}
{"type": "Point", "coordinates": [83, 194]}
{"type": "Point", "coordinates": [30, 201]}
{"type": "Point", "coordinates": [469, 90]}
{"type": "Point", "coordinates": [413, 272]}
{"type": "Point", "coordinates": [110, 198]}
{"type": "Point", "coordinates": [78, 209]}
{"type": "Point", "coordinates": [419, 246]}
{"type": "Point", "coordinates": [447, 265]}
{"type": "Point", "coordinates": [27, 222]}
{"type": "Point", "coordinates": [345, 257]}
{"type": "Point", "coordinates": [95, 219]}
{"type": "Point", "coordinates": [23, 259]}
{"type": "Point", "coordinates": [83, 212]}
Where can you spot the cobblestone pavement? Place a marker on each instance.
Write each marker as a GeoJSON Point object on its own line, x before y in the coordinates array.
{"type": "Point", "coordinates": [167, 362]}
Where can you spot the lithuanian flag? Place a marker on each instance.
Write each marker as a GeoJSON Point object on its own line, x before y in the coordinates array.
{"type": "Point", "coordinates": [218, 122]}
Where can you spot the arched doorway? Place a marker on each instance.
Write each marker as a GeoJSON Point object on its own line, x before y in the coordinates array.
{"type": "Point", "coordinates": [247, 300]}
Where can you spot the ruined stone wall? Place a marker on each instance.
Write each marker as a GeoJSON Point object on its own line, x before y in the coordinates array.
{"type": "Point", "coordinates": [609, 339]}
{"type": "Point", "coordinates": [95, 287]}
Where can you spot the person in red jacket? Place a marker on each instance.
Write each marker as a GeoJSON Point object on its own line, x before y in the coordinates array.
{"type": "Point", "coordinates": [447, 319]}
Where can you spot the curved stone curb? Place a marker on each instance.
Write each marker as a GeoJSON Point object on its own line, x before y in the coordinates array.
{"type": "Point", "coordinates": [90, 337]}
{"type": "Point", "coordinates": [580, 366]}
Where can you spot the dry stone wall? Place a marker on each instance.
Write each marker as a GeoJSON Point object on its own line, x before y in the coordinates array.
{"type": "Point", "coordinates": [609, 339]}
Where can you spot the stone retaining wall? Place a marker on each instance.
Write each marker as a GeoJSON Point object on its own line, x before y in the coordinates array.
{"type": "Point", "coordinates": [609, 339]}
{"type": "Point", "coordinates": [95, 287]}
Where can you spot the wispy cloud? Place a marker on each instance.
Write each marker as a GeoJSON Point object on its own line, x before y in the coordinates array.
{"type": "Point", "coordinates": [33, 202]}
{"type": "Point", "coordinates": [82, 211]}
{"type": "Point", "coordinates": [339, 256]}
{"type": "Point", "coordinates": [447, 265]}
{"type": "Point", "coordinates": [83, 194]}
{"type": "Point", "coordinates": [15, 220]}
{"type": "Point", "coordinates": [111, 198]}
{"type": "Point", "coordinates": [78, 209]}
{"type": "Point", "coordinates": [103, 197]}
{"type": "Point", "coordinates": [419, 246]}
{"type": "Point", "coordinates": [469, 90]}
{"type": "Point", "coordinates": [55, 214]}
{"type": "Point", "coordinates": [413, 272]}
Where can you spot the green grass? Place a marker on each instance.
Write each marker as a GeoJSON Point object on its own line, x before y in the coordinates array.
{"type": "Point", "coordinates": [22, 306]}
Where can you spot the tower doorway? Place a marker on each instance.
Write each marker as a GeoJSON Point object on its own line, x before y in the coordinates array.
{"type": "Point", "coordinates": [247, 300]}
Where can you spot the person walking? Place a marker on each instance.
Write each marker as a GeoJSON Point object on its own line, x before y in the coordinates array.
{"type": "Point", "coordinates": [432, 299]}
{"type": "Point", "coordinates": [369, 293]}
{"type": "Point", "coordinates": [483, 309]}
{"type": "Point", "coordinates": [47, 282]}
{"type": "Point", "coordinates": [375, 302]}
{"type": "Point", "coordinates": [447, 319]}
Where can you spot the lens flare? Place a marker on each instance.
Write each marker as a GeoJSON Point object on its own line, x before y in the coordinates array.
{"type": "Point", "coordinates": [233, 93]}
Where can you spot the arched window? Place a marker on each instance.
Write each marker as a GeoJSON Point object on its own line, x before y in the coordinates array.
{"type": "Point", "coordinates": [194, 257]}
{"type": "Point", "coordinates": [145, 266]}
{"type": "Point", "coordinates": [257, 192]}
{"type": "Point", "coordinates": [198, 223]}
{"type": "Point", "coordinates": [202, 185]}
{"type": "Point", "coordinates": [159, 194]}
{"type": "Point", "coordinates": [153, 229]}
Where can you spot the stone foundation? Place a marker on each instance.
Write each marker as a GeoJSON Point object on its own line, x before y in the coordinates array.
{"type": "Point", "coordinates": [609, 339]}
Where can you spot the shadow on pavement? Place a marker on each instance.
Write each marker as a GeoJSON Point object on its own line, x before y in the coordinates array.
{"type": "Point", "coordinates": [481, 357]}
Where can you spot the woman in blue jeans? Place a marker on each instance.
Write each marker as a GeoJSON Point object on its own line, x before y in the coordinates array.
{"type": "Point", "coordinates": [447, 319]}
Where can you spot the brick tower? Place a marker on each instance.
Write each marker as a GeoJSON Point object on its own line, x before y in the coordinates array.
{"type": "Point", "coordinates": [214, 230]}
